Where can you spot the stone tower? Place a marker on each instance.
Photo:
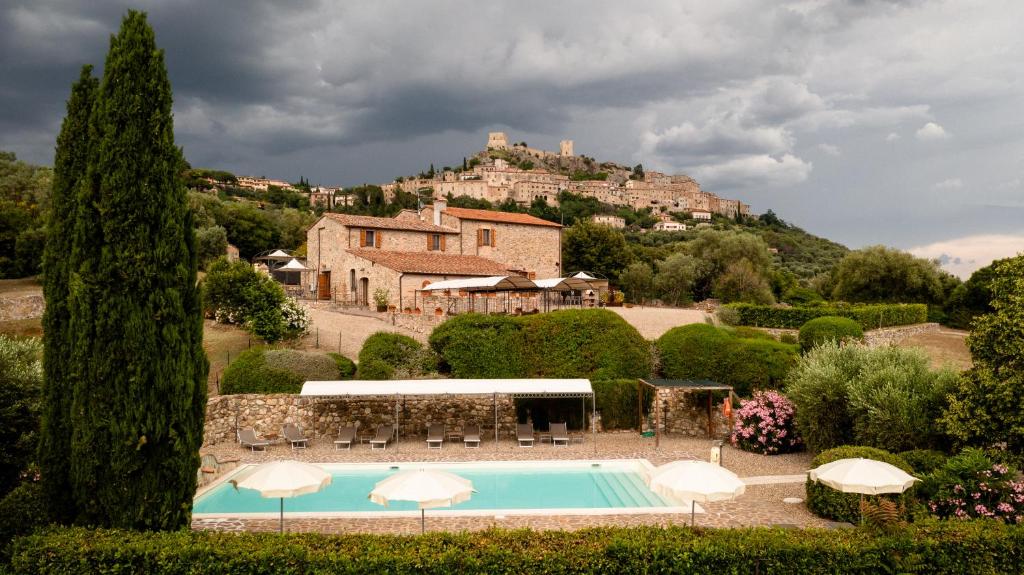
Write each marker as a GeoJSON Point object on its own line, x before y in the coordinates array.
{"type": "Point", "coordinates": [497, 140]}
{"type": "Point", "coordinates": [565, 148]}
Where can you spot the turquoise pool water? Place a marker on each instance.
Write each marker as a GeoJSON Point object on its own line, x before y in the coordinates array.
{"type": "Point", "coordinates": [497, 488]}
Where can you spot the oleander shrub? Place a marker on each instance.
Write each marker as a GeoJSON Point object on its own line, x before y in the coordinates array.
{"type": "Point", "coordinates": [924, 461]}
{"type": "Point", "coordinates": [930, 546]}
{"type": "Point", "coordinates": [765, 424]}
{"type": "Point", "coordinates": [830, 503]}
{"type": "Point", "coordinates": [829, 328]}
{"type": "Point", "coordinates": [971, 485]}
{"type": "Point", "coordinates": [395, 356]}
{"type": "Point", "coordinates": [701, 351]}
{"type": "Point", "coordinates": [886, 397]}
{"type": "Point", "coordinates": [595, 344]}
{"type": "Point", "coordinates": [236, 293]}
{"type": "Point", "coordinates": [869, 316]}
{"type": "Point", "coordinates": [263, 370]}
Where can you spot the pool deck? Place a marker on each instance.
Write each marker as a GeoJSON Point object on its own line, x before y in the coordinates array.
{"type": "Point", "coordinates": [769, 481]}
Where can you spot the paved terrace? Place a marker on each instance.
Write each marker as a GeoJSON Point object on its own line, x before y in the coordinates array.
{"type": "Point", "coordinates": [771, 479]}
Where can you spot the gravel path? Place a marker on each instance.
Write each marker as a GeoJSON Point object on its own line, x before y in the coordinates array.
{"type": "Point", "coordinates": [652, 322]}
{"type": "Point", "coordinates": [345, 333]}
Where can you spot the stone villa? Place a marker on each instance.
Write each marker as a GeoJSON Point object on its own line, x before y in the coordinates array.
{"type": "Point", "coordinates": [354, 256]}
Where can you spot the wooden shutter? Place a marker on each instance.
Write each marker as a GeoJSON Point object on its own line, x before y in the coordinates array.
{"type": "Point", "coordinates": [430, 242]}
{"type": "Point", "coordinates": [492, 237]}
{"type": "Point", "coordinates": [479, 237]}
{"type": "Point", "coordinates": [376, 239]}
{"type": "Point", "coordinates": [362, 238]}
{"type": "Point", "coordinates": [443, 238]}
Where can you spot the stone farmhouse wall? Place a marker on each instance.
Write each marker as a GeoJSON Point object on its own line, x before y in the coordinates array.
{"type": "Point", "coordinates": [528, 248]}
{"type": "Point", "coordinates": [21, 307]}
{"type": "Point", "coordinates": [685, 412]}
{"type": "Point", "coordinates": [323, 417]}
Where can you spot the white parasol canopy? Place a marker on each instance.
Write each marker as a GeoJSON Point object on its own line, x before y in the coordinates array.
{"type": "Point", "coordinates": [864, 476]}
{"type": "Point", "coordinates": [283, 479]}
{"type": "Point", "coordinates": [428, 488]}
{"type": "Point", "coordinates": [278, 255]}
{"type": "Point", "coordinates": [696, 481]}
{"type": "Point", "coordinates": [293, 266]}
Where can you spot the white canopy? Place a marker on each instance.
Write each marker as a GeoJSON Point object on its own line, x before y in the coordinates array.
{"type": "Point", "coordinates": [583, 276]}
{"type": "Point", "coordinates": [293, 266]}
{"type": "Point", "coordinates": [563, 284]}
{"type": "Point", "coordinates": [520, 387]}
{"type": "Point", "coordinates": [493, 283]}
{"type": "Point", "coordinates": [277, 255]}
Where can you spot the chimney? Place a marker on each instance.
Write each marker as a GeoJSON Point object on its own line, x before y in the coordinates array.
{"type": "Point", "coordinates": [440, 205]}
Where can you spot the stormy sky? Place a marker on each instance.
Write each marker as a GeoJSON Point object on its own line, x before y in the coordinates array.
{"type": "Point", "coordinates": [866, 121]}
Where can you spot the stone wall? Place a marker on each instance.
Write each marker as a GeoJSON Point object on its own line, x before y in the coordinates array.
{"type": "Point", "coordinates": [875, 337]}
{"type": "Point", "coordinates": [323, 417]}
{"type": "Point", "coordinates": [21, 307]}
{"type": "Point", "coordinates": [685, 412]}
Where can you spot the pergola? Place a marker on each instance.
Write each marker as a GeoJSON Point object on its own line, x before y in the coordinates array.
{"type": "Point", "coordinates": [403, 388]}
{"type": "Point", "coordinates": [684, 384]}
{"type": "Point", "coordinates": [506, 284]}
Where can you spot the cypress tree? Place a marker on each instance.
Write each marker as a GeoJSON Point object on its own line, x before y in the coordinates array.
{"type": "Point", "coordinates": [141, 392]}
{"type": "Point", "coordinates": [69, 169]}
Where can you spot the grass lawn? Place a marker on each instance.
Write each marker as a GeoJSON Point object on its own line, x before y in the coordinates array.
{"type": "Point", "coordinates": [945, 347]}
{"type": "Point", "coordinates": [22, 286]}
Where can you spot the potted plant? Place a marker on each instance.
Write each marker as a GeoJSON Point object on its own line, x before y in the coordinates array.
{"type": "Point", "coordinates": [380, 298]}
{"type": "Point", "coordinates": [407, 310]}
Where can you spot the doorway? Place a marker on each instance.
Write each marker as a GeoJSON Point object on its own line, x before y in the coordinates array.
{"type": "Point", "coordinates": [324, 286]}
{"type": "Point", "coordinates": [364, 290]}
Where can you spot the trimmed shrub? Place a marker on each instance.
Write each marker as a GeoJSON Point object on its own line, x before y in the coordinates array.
{"type": "Point", "coordinates": [971, 485]}
{"type": "Point", "coordinates": [752, 333]}
{"type": "Point", "coordinates": [394, 355]}
{"type": "Point", "coordinates": [24, 509]}
{"type": "Point", "coordinates": [765, 425]}
{"type": "Point", "coordinates": [346, 367]}
{"type": "Point", "coordinates": [927, 547]}
{"type": "Point", "coordinates": [727, 316]}
{"type": "Point", "coordinates": [617, 402]}
{"type": "Point", "coordinates": [475, 345]}
{"type": "Point", "coordinates": [870, 316]}
{"type": "Point", "coordinates": [262, 370]}
{"type": "Point", "coordinates": [829, 503]}
{"type": "Point", "coordinates": [829, 328]}
{"type": "Point", "coordinates": [701, 351]}
{"type": "Point", "coordinates": [924, 461]}
{"type": "Point", "coordinates": [789, 338]}
{"type": "Point", "coordinates": [595, 344]}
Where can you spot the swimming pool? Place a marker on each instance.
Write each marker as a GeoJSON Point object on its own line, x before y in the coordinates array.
{"type": "Point", "coordinates": [508, 488]}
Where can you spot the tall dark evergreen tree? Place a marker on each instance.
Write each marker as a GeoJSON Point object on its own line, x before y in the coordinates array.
{"type": "Point", "coordinates": [69, 171]}
{"type": "Point", "coordinates": [138, 407]}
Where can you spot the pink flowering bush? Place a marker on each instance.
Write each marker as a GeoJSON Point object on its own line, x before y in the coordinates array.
{"type": "Point", "coordinates": [765, 424]}
{"type": "Point", "coordinates": [970, 485]}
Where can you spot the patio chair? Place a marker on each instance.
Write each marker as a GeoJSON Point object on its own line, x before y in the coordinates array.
{"type": "Point", "coordinates": [293, 434]}
{"type": "Point", "coordinates": [346, 435]}
{"type": "Point", "coordinates": [559, 434]}
{"type": "Point", "coordinates": [248, 438]}
{"type": "Point", "coordinates": [471, 437]}
{"type": "Point", "coordinates": [435, 435]}
{"type": "Point", "coordinates": [385, 433]}
{"type": "Point", "coordinates": [524, 434]}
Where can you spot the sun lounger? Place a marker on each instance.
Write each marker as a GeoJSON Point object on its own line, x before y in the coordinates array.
{"type": "Point", "coordinates": [524, 434]}
{"type": "Point", "coordinates": [293, 434]}
{"type": "Point", "coordinates": [471, 437]}
{"type": "Point", "coordinates": [384, 435]}
{"type": "Point", "coordinates": [435, 436]}
{"type": "Point", "coordinates": [247, 437]}
{"type": "Point", "coordinates": [559, 434]}
{"type": "Point", "coordinates": [346, 435]}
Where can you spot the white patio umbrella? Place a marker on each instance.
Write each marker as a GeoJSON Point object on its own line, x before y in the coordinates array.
{"type": "Point", "coordinates": [864, 476]}
{"type": "Point", "coordinates": [696, 481]}
{"type": "Point", "coordinates": [428, 488]}
{"type": "Point", "coordinates": [283, 479]}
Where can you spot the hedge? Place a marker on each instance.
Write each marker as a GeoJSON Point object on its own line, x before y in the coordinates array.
{"type": "Point", "coordinates": [595, 344]}
{"type": "Point", "coordinates": [830, 503]}
{"type": "Point", "coordinates": [385, 355]}
{"type": "Point", "coordinates": [828, 328]}
{"type": "Point", "coordinates": [22, 510]}
{"type": "Point", "coordinates": [701, 351]}
{"type": "Point", "coordinates": [930, 546]}
{"type": "Point", "coordinates": [616, 400]}
{"type": "Point", "coordinates": [870, 316]}
{"type": "Point", "coordinates": [263, 370]}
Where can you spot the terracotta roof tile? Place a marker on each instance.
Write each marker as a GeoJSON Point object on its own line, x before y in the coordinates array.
{"type": "Point", "coordinates": [433, 263]}
{"type": "Point", "coordinates": [388, 223]}
{"type": "Point", "coordinates": [495, 216]}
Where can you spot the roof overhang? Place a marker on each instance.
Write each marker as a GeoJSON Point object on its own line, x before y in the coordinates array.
{"type": "Point", "coordinates": [432, 387]}
{"type": "Point", "coordinates": [492, 283]}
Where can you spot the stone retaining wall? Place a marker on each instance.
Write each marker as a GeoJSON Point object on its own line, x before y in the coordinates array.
{"type": "Point", "coordinates": [423, 323]}
{"type": "Point", "coordinates": [323, 417]}
{"type": "Point", "coordinates": [875, 337]}
{"type": "Point", "coordinates": [21, 307]}
{"type": "Point", "coordinates": [685, 412]}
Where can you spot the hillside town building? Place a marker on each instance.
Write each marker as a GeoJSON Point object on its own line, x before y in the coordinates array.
{"type": "Point", "coordinates": [608, 220]}
{"type": "Point", "coordinates": [352, 257]}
